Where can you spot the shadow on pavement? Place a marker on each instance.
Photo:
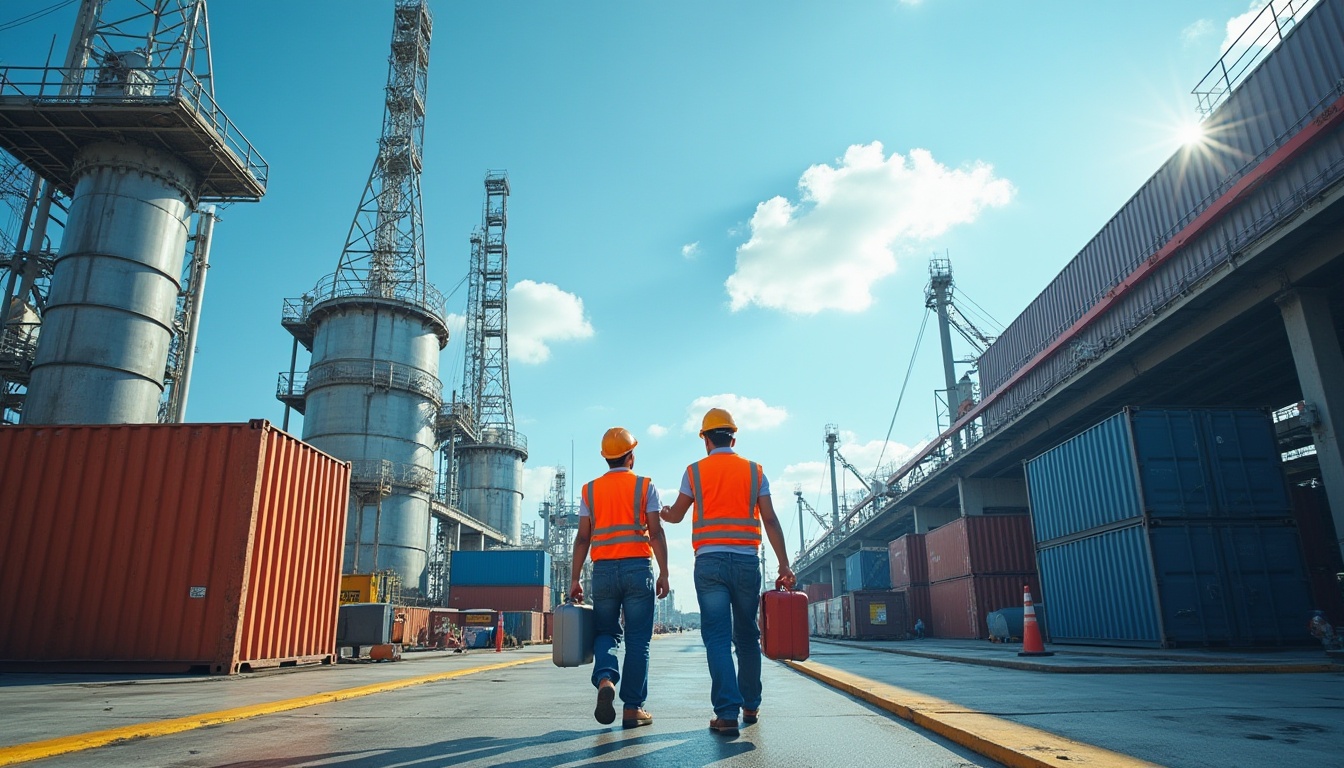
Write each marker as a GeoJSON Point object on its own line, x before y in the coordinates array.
{"type": "Point", "coordinates": [693, 749]}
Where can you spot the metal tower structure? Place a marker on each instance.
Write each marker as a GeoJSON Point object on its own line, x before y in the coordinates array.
{"type": "Point", "coordinates": [561, 522]}
{"type": "Point", "coordinates": [375, 329]}
{"type": "Point", "coordinates": [128, 129]}
{"type": "Point", "coordinates": [959, 395]}
{"type": "Point", "coordinates": [489, 468]}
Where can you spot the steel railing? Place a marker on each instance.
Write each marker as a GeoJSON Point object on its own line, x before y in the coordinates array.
{"type": "Point", "coordinates": [413, 292]}
{"type": "Point", "coordinates": [1260, 37]}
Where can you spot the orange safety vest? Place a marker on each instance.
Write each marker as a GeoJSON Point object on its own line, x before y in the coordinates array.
{"type": "Point", "coordinates": [617, 501]}
{"type": "Point", "coordinates": [727, 488]}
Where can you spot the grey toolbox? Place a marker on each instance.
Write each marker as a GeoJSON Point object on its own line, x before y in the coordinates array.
{"type": "Point", "coordinates": [572, 635]}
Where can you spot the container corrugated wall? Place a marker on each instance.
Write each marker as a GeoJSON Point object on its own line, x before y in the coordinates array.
{"type": "Point", "coordinates": [980, 545]}
{"type": "Point", "coordinates": [908, 561]}
{"type": "Point", "coordinates": [818, 592]}
{"type": "Point", "coordinates": [959, 606]}
{"type": "Point", "coordinates": [918, 604]}
{"type": "Point", "coordinates": [512, 598]}
{"type": "Point", "coordinates": [876, 615]}
{"type": "Point", "coordinates": [500, 568]}
{"type": "Point", "coordinates": [1100, 588]}
{"type": "Point", "coordinates": [1084, 483]}
{"type": "Point", "coordinates": [1294, 84]}
{"type": "Point", "coordinates": [198, 546]}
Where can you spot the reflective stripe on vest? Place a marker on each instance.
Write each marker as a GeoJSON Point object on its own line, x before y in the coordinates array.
{"type": "Point", "coordinates": [726, 529]}
{"type": "Point", "coordinates": [619, 528]}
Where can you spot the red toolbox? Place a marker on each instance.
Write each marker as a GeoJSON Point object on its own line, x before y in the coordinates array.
{"type": "Point", "coordinates": [784, 625]}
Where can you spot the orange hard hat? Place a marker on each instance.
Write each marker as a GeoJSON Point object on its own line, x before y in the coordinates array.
{"type": "Point", "coordinates": [717, 418]}
{"type": "Point", "coordinates": [617, 442]}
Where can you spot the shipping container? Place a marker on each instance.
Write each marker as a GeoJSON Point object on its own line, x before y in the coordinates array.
{"type": "Point", "coordinates": [410, 626]}
{"type": "Point", "coordinates": [1320, 551]}
{"type": "Point", "coordinates": [816, 618]}
{"type": "Point", "coordinates": [980, 545]}
{"type": "Point", "coordinates": [908, 561]}
{"type": "Point", "coordinates": [1236, 583]}
{"type": "Point", "coordinates": [1295, 84]}
{"type": "Point", "coordinates": [818, 592]}
{"type": "Point", "coordinates": [444, 627]}
{"type": "Point", "coordinates": [364, 624]}
{"type": "Point", "coordinates": [866, 570]}
{"type": "Point", "coordinates": [917, 605]}
{"type": "Point", "coordinates": [213, 547]}
{"type": "Point", "coordinates": [525, 598]}
{"type": "Point", "coordinates": [500, 568]}
{"type": "Point", "coordinates": [548, 626]}
{"type": "Point", "coordinates": [524, 626]}
{"type": "Point", "coordinates": [876, 615]}
{"type": "Point", "coordinates": [959, 607]}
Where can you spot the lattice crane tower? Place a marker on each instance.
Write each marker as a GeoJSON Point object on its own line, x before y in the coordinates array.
{"type": "Point", "coordinates": [489, 468]}
{"type": "Point", "coordinates": [375, 329]}
{"type": "Point", "coordinates": [129, 130]}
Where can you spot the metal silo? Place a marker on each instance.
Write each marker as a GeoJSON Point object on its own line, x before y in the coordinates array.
{"type": "Point", "coordinates": [375, 328]}
{"type": "Point", "coordinates": [135, 140]}
{"type": "Point", "coordinates": [490, 464]}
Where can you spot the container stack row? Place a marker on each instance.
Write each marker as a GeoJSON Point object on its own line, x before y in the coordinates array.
{"type": "Point", "coordinates": [500, 579]}
{"type": "Point", "coordinates": [977, 565]}
{"type": "Point", "coordinates": [1168, 528]}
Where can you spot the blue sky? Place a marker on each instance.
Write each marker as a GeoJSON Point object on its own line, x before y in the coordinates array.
{"type": "Point", "coordinates": [713, 202]}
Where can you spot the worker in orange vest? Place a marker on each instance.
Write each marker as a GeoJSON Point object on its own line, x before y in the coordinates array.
{"type": "Point", "coordinates": [619, 524]}
{"type": "Point", "coordinates": [732, 501]}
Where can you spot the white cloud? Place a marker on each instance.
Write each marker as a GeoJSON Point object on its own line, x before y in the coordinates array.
{"type": "Point", "coordinates": [691, 250]}
{"type": "Point", "coordinates": [749, 413]}
{"type": "Point", "coordinates": [1196, 32]}
{"type": "Point", "coordinates": [457, 327]}
{"type": "Point", "coordinates": [827, 250]}
{"type": "Point", "coordinates": [535, 484]}
{"type": "Point", "coordinates": [657, 430]}
{"type": "Point", "coordinates": [539, 315]}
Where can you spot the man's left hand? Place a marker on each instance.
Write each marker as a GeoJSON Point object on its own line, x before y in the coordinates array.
{"type": "Point", "coordinates": [662, 589]}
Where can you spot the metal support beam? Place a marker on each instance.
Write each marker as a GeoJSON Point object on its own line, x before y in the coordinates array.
{"type": "Point", "coordinates": [1320, 370]}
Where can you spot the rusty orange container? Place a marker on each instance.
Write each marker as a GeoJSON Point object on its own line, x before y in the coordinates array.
{"type": "Point", "coordinates": [411, 626]}
{"type": "Point", "coordinates": [175, 547]}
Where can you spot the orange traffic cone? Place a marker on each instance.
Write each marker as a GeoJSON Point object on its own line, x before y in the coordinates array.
{"type": "Point", "coordinates": [1031, 632]}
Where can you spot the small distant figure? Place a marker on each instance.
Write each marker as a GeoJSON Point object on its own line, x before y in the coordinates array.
{"type": "Point", "coordinates": [1322, 630]}
{"type": "Point", "coordinates": [919, 629]}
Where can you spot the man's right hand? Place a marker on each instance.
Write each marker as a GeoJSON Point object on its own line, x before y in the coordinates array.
{"type": "Point", "coordinates": [576, 591]}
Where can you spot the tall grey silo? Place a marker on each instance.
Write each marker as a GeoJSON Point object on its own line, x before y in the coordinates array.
{"type": "Point", "coordinates": [375, 329]}
{"type": "Point", "coordinates": [490, 467]}
{"type": "Point", "coordinates": [130, 132]}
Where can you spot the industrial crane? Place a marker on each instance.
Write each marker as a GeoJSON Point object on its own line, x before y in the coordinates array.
{"type": "Point", "coordinates": [802, 504]}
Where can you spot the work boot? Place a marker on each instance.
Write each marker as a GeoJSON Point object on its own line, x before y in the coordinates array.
{"type": "Point", "coordinates": [723, 727]}
{"type": "Point", "coordinates": [605, 713]}
{"type": "Point", "coordinates": [633, 718]}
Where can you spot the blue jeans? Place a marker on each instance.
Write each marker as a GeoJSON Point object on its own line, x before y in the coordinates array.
{"type": "Point", "coordinates": [728, 588]}
{"type": "Point", "coordinates": [623, 586]}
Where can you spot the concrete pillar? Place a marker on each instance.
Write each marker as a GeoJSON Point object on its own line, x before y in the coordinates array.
{"type": "Point", "coordinates": [837, 575]}
{"type": "Point", "coordinates": [928, 518]}
{"type": "Point", "coordinates": [978, 494]}
{"type": "Point", "coordinates": [1320, 372]}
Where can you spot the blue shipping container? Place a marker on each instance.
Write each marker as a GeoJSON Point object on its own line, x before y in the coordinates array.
{"type": "Point", "coordinates": [500, 568]}
{"type": "Point", "coordinates": [1184, 464]}
{"type": "Point", "coordinates": [867, 569]}
{"type": "Point", "coordinates": [1209, 584]}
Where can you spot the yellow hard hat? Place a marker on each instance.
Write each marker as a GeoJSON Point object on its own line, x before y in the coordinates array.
{"type": "Point", "coordinates": [617, 442]}
{"type": "Point", "coordinates": [717, 418]}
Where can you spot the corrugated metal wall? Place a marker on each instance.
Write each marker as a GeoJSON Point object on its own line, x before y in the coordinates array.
{"type": "Point", "coordinates": [908, 561]}
{"type": "Point", "coordinates": [980, 545]}
{"type": "Point", "coordinates": [1294, 84]}
{"type": "Point", "coordinates": [500, 567]}
{"type": "Point", "coordinates": [1087, 482]}
{"type": "Point", "coordinates": [185, 546]}
{"type": "Point", "coordinates": [1100, 588]}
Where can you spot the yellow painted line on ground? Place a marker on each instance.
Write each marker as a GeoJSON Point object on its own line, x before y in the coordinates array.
{"type": "Point", "coordinates": [1014, 745]}
{"type": "Point", "coordinates": [37, 750]}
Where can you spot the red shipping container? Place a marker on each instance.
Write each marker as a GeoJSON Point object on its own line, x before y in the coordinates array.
{"type": "Point", "coordinates": [959, 606]}
{"type": "Point", "coordinates": [443, 627]}
{"type": "Point", "coordinates": [1320, 553]}
{"type": "Point", "coordinates": [981, 545]}
{"type": "Point", "coordinates": [784, 625]}
{"type": "Point", "coordinates": [548, 623]}
{"type": "Point", "coordinates": [410, 626]}
{"type": "Point", "coordinates": [917, 606]}
{"type": "Point", "coordinates": [525, 598]}
{"type": "Point", "coordinates": [875, 615]}
{"type": "Point", "coordinates": [212, 547]}
{"type": "Point", "coordinates": [818, 592]}
{"type": "Point", "coordinates": [908, 560]}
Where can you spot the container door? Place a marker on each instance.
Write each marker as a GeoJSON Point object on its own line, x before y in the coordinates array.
{"type": "Point", "coordinates": [1192, 585]}
{"type": "Point", "coordinates": [1169, 449]}
{"type": "Point", "coordinates": [1267, 584]}
{"type": "Point", "coordinates": [1245, 465]}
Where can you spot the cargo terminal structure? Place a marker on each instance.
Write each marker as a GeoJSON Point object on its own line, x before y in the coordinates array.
{"type": "Point", "coordinates": [376, 327]}
{"type": "Point", "coordinates": [1219, 285]}
{"type": "Point", "coordinates": [125, 141]}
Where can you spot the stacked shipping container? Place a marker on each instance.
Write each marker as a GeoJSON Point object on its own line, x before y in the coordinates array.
{"type": "Point", "coordinates": [867, 569]}
{"type": "Point", "coordinates": [908, 563]}
{"type": "Point", "coordinates": [500, 579]}
{"type": "Point", "coordinates": [977, 565]}
{"type": "Point", "coordinates": [189, 546]}
{"type": "Point", "coordinates": [1169, 527]}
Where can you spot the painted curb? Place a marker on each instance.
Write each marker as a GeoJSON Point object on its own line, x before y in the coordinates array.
{"type": "Point", "coordinates": [37, 750]}
{"type": "Point", "coordinates": [1014, 745]}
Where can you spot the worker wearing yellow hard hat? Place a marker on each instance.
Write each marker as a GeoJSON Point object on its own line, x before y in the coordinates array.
{"type": "Point", "coordinates": [733, 507]}
{"type": "Point", "coordinates": [620, 526]}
